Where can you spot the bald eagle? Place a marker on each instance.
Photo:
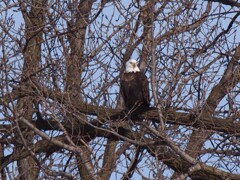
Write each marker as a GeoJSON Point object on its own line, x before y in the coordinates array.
{"type": "Point", "coordinates": [134, 87]}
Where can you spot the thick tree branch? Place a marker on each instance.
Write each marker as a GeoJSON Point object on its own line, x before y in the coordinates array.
{"type": "Point", "coordinates": [227, 2]}
{"type": "Point", "coordinates": [226, 125]}
{"type": "Point", "coordinates": [164, 153]}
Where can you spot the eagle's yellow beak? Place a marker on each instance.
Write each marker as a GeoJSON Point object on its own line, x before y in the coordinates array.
{"type": "Point", "coordinates": [133, 64]}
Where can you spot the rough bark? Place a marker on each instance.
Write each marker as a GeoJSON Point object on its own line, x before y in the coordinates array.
{"type": "Point", "coordinates": [61, 68]}
{"type": "Point", "coordinates": [34, 24]}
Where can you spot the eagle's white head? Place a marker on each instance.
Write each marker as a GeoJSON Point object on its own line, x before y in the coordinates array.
{"type": "Point", "coordinates": [131, 66]}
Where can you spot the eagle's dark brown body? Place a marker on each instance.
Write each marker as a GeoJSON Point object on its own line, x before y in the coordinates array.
{"type": "Point", "coordinates": [135, 90]}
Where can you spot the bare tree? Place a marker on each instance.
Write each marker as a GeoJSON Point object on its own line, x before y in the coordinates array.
{"type": "Point", "coordinates": [60, 111]}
